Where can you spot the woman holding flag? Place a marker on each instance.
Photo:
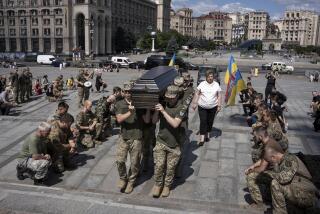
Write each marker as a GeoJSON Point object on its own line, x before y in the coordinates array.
{"type": "Point", "coordinates": [208, 100]}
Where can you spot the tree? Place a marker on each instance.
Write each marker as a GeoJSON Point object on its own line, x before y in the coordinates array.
{"type": "Point", "coordinates": [172, 46]}
{"type": "Point", "coordinates": [124, 40]}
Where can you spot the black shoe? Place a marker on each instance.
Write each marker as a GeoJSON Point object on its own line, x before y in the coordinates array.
{"type": "Point", "coordinates": [207, 139]}
{"type": "Point", "coordinates": [38, 182]}
{"type": "Point", "coordinates": [20, 172]}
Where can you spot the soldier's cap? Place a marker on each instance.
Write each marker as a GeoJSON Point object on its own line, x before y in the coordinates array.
{"type": "Point", "coordinates": [186, 76]}
{"type": "Point", "coordinates": [172, 91]}
{"type": "Point", "coordinates": [127, 86]}
{"type": "Point", "coordinates": [178, 81]}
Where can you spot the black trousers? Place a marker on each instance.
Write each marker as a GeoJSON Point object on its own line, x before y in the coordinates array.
{"type": "Point", "coordinates": [206, 119]}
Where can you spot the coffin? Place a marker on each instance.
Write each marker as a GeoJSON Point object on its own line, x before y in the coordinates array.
{"type": "Point", "coordinates": [149, 89]}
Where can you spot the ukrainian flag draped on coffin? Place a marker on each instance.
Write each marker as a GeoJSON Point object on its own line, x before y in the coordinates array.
{"type": "Point", "coordinates": [234, 82]}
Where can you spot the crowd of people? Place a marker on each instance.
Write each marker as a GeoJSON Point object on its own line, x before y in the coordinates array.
{"type": "Point", "coordinates": [65, 135]}
{"type": "Point", "coordinates": [275, 175]}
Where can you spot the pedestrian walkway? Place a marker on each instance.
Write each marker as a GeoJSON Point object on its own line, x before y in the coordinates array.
{"type": "Point", "coordinates": [213, 175]}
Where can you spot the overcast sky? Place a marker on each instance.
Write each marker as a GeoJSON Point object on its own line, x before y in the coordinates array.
{"type": "Point", "coordinates": [275, 8]}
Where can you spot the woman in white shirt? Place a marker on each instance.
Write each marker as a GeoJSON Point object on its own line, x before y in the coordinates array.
{"type": "Point", "coordinates": [208, 100]}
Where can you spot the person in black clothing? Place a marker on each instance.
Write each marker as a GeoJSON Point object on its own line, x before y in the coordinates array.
{"type": "Point", "coordinates": [99, 82]}
{"type": "Point", "coordinates": [271, 83]}
{"type": "Point", "coordinates": [247, 97]}
{"type": "Point", "coordinates": [3, 83]}
{"type": "Point", "coordinates": [280, 98]}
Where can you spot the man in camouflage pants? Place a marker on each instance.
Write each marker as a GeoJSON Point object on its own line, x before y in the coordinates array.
{"type": "Point", "coordinates": [83, 92]}
{"type": "Point", "coordinates": [291, 182]}
{"type": "Point", "coordinates": [34, 159]}
{"type": "Point", "coordinates": [88, 126]}
{"type": "Point", "coordinates": [129, 141]}
{"type": "Point", "coordinates": [258, 175]}
{"type": "Point", "coordinates": [103, 115]}
{"type": "Point", "coordinates": [14, 79]}
{"type": "Point", "coordinates": [29, 76]}
{"type": "Point", "coordinates": [167, 150]}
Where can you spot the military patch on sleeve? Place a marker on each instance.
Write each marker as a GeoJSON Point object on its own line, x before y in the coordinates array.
{"type": "Point", "coordinates": [181, 113]}
{"type": "Point", "coordinates": [288, 163]}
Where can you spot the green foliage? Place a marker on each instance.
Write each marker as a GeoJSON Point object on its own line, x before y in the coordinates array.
{"type": "Point", "coordinates": [124, 40]}
{"type": "Point", "coordinates": [302, 50]}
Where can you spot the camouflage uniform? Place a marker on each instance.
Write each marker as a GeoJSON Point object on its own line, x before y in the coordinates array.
{"type": "Point", "coordinates": [274, 131]}
{"type": "Point", "coordinates": [259, 185]}
{"type": "Point", "coordinates": [87, 138]}
{"type": "Point", "coordinates": [22, 86]}
{"type": "Point", "coordinates": [33, 145]}
{"type": "Point", "coordinates": [14, 77]}
{"type": "Point", "coordinates": [292, 183]}
{"type": "Point", "coordinates": [58, 138]}
{"type": "Point", "coordinates": [167, 150]}
{"type": "Point", "coordinates": [83, 92]}
{"type": "Point", "coordinates": [102, 113]}
{"type": "Point", "coordinates": [28, 84]}
{"type": "Point", "coordinates": [129, 142]}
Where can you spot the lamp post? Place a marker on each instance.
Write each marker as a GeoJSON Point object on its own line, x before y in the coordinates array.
{"type": "Point", "coordinates": [153, 37]}
{"type": "Point", "coordinates": [91, 25]}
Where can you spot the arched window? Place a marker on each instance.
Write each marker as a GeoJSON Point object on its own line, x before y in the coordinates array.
{"type": "Point", "coordinates": [10, 13]}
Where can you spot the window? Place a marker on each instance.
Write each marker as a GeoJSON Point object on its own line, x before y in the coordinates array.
{"type": "Point", "coordinates": [21, 3]}
{"type": "Point", "coordinates": [21, 13]}
{"type": "Point", "coordinates": [23, 32]}
{"type": "Point", "coordinates": [10, 13]}
{"type": "Point", "coordinates": [1, 22]}
{"type": "Point", "coordinates": [59, 45]}
{"type": "Point", "coordinates": [2, 32]}
{"type": "Point", "coordinates": [35, 45]}
{"type": "Point", "coordinates": [13, 44]}
{"type": "Point", "coordinates": [58, 2]}
{"type": "Point", "coordinates": [46, 2]}
{"type": "Point", "coordinates": [45, 12]}
{"type": "Point", "coordinates": [23, 21]}
{"type": "Point", "coordinates": [46, 31]}
{"type": "Point", "coordinates": [46, 21]}
{"type": "Point", "coordinates": [12, 22]}
{"type": "Point", "coordinates": [58, 22]}
{"type": "Point", "coordinates": [34, 21]}
{"type": "Point", "coordinates": [35, 32]}
{"type": "Point", "coordinates": [34, 3]}
{"type": "Point", "coordinates": [59, 31]}
{"type": "Point", "coordinates": [10, 3]}
{"type": "Point", "coordinates": [12, 32]}
{"type": "Point", "coordinates": [58, 11]}
{"type": "Point", "coordinates": [34, 12]}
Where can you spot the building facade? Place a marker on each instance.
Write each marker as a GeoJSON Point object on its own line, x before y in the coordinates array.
{"type": "Point", "coordinates": [55, 26]}
{"type": "Point", "coordinates": [163, 14]}
{"type": "Point", "coordinates": [238, 33]}
{"type": "Point", "coordinates": [216, 26]}
{"type": "Point", "coordinates": [136, 16]}
{"type": "Point", "coordinates": [181, 21]}
{"type": "Point", "coordinates": [257, 25]}
{"type": "Point", "coordinates": [301, 27]}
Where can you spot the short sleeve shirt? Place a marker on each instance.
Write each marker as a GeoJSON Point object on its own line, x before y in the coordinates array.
{"type": "Point", "coordinates": [208, 94]}
{"type": "Point", "coordinates": [131, 128]}
{"type": "Point", "coordinates": [169, 135]}
{"type": "Point", "coordinates": [34, 145]}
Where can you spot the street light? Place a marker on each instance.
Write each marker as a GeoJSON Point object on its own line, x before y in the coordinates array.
{"type": "Point", "coordinates": [91, 25]}
{"type": "Point", "coordinates": [153, 37]}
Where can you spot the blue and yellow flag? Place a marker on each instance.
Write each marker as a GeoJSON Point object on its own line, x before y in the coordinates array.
{"type": "Point", "coordinates": [234, 82]}
{"type": "Point", "coordinates": [173, 59]}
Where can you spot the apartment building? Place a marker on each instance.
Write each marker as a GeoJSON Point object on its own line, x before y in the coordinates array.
{"type": "Point", "coordinates": [181, 21]}
{"type": "Point", "coordinates": [257, 25]}
{"type": "Point", "coordinates": [135, 16]}
{"type": "Point", "coordinates": [216, 26]}
{"type": "Point", "coordinates": [55, 26]}
{"type": "Point", "coordinates": [301, 27]}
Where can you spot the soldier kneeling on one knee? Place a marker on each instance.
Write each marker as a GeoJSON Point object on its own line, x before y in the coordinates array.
{"type": "Point", "coordinates": [34, 159]}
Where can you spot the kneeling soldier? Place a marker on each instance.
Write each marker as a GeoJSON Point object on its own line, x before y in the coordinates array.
{"type": "Point", "coordinates": [167, 150]}
{"type": "Point", "coordinates": [88, 126]}
{"type": "Point", "coordinates": [34, 158]}
{"type": "Point", "coordinates": [291, 181]}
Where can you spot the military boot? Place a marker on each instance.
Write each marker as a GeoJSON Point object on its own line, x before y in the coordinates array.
{"type": "Point", "coordinates": [165, 192]}
{"type": "Point", "coordinates": [122, 184]}
{"type": "Point", "coordinates": [156, 191]}
{"type": "Point", "coordinates": [20, 171]}
{"type": "Point", "coordinates": [129, 188]}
